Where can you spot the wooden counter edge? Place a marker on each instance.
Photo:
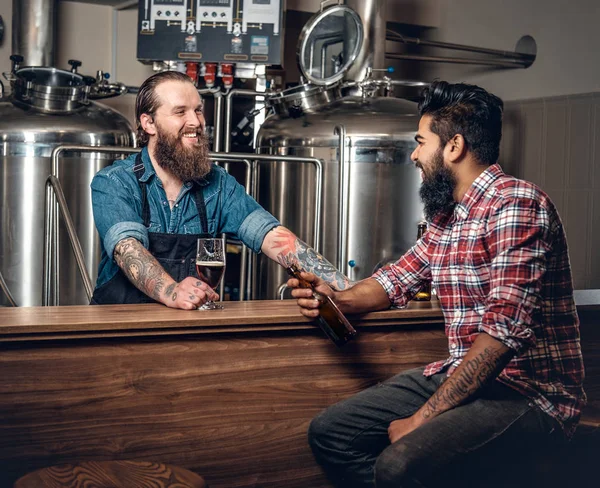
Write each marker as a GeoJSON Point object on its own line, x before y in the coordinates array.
{"type": "Point", "coordinates": [85, 322]}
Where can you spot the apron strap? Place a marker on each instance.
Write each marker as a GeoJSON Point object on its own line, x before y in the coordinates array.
{"type": "Point", "coordinates": [201, 206]}
{"type": "Point", "coordinates": [138, 170]}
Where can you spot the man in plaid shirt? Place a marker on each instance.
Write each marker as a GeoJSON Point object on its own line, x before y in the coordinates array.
{"type": "Point", "coordinates": [497, 253]}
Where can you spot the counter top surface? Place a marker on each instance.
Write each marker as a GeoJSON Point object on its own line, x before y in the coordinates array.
{"type": "Point", "coordinates": [25, 323]}
{"type": "Point", "coordinates": [87, 320]}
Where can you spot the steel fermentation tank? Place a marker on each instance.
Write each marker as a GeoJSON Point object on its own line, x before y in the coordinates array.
{"type": "Point", "coordinates": [382, 201]}
{"type": "Point", "coordinates": [48, 108]}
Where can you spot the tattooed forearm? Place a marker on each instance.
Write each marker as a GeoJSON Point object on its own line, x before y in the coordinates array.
{"type": "Point", "coordinates": [484, 362]}
{"type": "Point", "coordinates": [284, 247]}
{"type": "Point", "coordinates": [142, 269]}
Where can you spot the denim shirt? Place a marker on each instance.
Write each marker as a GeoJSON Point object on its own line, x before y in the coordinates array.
{"type": "Point", "coordinates": [117, 207]}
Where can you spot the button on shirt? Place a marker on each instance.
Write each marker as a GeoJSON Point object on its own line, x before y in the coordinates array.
{"type": "Point", "coordinates": [500, 265]}
{"type": "Point", "coordinates": [117, 207]}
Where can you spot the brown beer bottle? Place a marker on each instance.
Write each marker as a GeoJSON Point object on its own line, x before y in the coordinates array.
{"type": "Point", "coordinates": [331, 320]}
{"type": "Point", "coordinates": [424, 294]}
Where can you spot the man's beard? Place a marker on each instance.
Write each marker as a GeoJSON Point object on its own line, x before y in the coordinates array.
{"type": "Point", "coordinates": [437, 188]}
{"type": "Point", "coordinates": [186, 163]}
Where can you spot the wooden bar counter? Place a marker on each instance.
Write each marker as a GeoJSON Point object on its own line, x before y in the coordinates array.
{"type": "Point", "coordinates": [228, 394]}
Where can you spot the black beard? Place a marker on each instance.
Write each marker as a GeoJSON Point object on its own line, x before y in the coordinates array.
{"type": "Point", "coordinates": [186, 163]}
{"type": "Point", "coordinates": [437, 189]}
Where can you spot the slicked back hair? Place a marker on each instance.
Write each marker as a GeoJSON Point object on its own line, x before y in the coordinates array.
{"type": "Point", "coordinates": [467, 110]}
{"type": "Point", "coordinates": [147, 101]}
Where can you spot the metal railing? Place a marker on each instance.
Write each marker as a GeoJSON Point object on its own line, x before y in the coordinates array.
{"type": "Point", "coordinates": [6, 291]}
{"type": "Point", "coordinates": [344, 194]}
{"type": "Point", "coordinates": [56, 202]}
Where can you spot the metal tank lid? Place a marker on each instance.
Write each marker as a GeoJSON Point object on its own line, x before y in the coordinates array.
{"type": "Point", "coordinates": [378, 121]}
{"type": "Point", "coordinates": [329, 44]}
{"type": "Point", "coordinates": [24, 129]}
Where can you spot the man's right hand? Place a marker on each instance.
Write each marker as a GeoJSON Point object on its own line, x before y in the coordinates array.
{"type": "Point", "coordinates": [309, 306]}
{"type": "Point", "coordinates": [189, 294]}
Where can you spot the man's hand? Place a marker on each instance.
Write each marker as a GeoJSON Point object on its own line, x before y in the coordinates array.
{"type": "Point", "coordinates": [401, 427]}
{"type": "Point", "coordinates": [190, 294]}
{"type": "Point", "coordinates": [309, 306]}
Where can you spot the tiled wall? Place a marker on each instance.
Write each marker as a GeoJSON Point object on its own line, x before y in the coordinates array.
{"type": "Point", "coordinates": [555, 143]}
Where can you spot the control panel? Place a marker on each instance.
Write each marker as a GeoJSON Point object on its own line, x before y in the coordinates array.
{"type": "Point", "coordinates": [165, 10]}
{"type": "Point", "coordinates": [261, 11]}
{"type": "Point", "coordinates": [215, 11]}
{"type": "Point", "coordinates": [213, 31]}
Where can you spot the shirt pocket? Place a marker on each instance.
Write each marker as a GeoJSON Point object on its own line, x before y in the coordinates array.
{"type": "Point", "coordinates": [195, 228]}
{"type": "Point", "coordinates": [475, 262]}
{"type": "Point", "coordinates": [155, 227]}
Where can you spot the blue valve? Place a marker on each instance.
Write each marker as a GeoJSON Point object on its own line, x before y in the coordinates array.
{"type": "Point", "coordinates": [390, 69]}
{"type": "Point", "coordinates": [106, 76]}
{"type": "Point", "coordinates": [352, 263]}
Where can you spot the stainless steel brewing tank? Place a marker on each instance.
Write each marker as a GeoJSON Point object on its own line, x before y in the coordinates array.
{"type": "Point", "coordinates": [384, 204]}
{"type": "Point", "coordinates": [28, 137]}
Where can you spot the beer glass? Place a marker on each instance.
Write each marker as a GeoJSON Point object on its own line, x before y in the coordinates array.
{"type": "Point", "coordinates": [210, 265]}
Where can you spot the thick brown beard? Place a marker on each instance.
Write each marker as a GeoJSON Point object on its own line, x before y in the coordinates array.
{"type": "Point", "coordinates": [186, 163]}
{"type": "Point", "coordinates": [437, 188]}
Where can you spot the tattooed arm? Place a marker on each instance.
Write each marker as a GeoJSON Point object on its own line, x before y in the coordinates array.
{"type": "Point", "coordinates": [283, 247]}
{"type": "Point", "coordinates": [481, 365]}
{"type": "Point", "coordinates": [148, 276]}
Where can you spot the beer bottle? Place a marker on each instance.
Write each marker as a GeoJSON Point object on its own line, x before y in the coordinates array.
{"type": "Point", "coordinates": [424, 294]}
{"type": "Point", "coordinates": [331, 320]}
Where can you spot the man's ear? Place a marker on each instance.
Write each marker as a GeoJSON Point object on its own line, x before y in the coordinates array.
{"type": "Point", "coordinates": [456, 148]}
{"type": "Point", "coordinates": [147, 123]}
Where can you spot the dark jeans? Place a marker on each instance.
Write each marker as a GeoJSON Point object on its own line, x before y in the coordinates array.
{"type": "Point", "coordinates": [490, 436]}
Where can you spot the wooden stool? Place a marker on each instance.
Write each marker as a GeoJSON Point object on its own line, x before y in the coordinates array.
{"type": "Point", "coordinates": [111, 474]}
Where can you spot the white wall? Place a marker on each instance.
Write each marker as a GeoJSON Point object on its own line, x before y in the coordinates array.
{"type": "Point", "coordinates": [567, 33]}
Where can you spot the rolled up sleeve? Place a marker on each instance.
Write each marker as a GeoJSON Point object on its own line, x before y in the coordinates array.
{"type": "Point", "coordinates": [117, 211]}
{"type": "Point", "coordinates": [255, 227]}
{"type": "Point", "coordinates": [404, 278]}
{"type": "Point", "coordinates": [125, 230]}
{"type": "Point", "coordinates": [242, 216]}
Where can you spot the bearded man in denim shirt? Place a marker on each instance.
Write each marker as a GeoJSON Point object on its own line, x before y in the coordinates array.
{"type": "Point", "coordinates": [151, 208]}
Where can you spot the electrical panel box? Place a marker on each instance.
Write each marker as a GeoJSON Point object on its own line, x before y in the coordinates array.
{"type": "Point", "coordinates": [214, 31]}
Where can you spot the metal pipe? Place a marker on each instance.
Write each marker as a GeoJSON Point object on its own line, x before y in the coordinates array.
{"type": "Point", "coordinates": [228, 110]}
{"type": "Point", "coordinates": [344, 190]}
{"type": "Point", "coordinates": [252, 184]}
{"type": "Point", "coordinates": [54, 183]}
{"type": "Point", "coordinates": [34, 31]}
{"type": "Point", "coordinates": [244, 258]}
{"type": "Point", "coordinates": [51, 229]}
{"type": "Point", "coordinates": [528, 59]}
{"type": "Point", "coordinates": [218, 115]}
{"type": "Point", "coordinates": [440, 59]}
{"type": "Point", "coordinates": [51, 220]}
{"type": "Point", "coordinates": [373, 14]}
{"type": "Point", "coordinates": [6, 291]}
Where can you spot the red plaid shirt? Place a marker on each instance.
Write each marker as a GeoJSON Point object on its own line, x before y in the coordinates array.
{"type": "Point", "coordinates": [500, 265]}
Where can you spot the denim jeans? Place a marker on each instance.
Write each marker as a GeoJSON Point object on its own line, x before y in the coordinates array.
{"type": "Point", "coordinates": [490, 435]}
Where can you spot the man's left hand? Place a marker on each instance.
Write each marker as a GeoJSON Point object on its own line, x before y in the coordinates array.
{"type": "Point", "coordinates": [401, 427]}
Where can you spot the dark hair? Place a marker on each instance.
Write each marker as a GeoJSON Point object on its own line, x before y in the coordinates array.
{"type": "Point", "coordinates": [147, 102]}
{"type": "Point", "coordinates": [467, 110]}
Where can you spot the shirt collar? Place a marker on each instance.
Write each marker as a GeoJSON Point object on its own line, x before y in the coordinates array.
{"type": "Point", "coordinates": [148, 168]}
{"type": "Point", "coordinates": [480, 187]}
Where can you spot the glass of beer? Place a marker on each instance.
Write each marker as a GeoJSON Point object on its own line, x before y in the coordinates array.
{"type": "Point", "coordinates": [210, 265]}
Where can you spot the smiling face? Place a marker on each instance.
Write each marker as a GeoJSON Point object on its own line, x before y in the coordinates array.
{"type": "Point", "coordinates": [176, 133]}
{"type": "Point", "coordinates": [439, 182]}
